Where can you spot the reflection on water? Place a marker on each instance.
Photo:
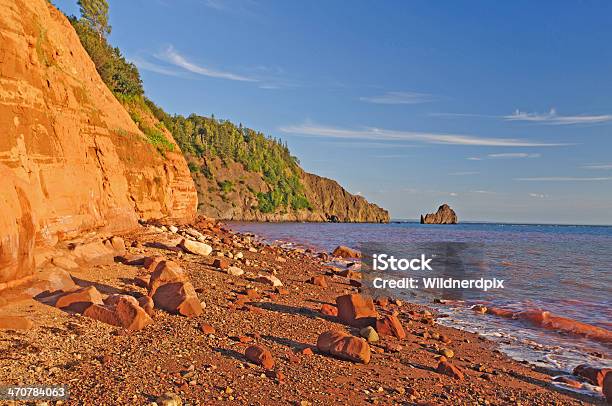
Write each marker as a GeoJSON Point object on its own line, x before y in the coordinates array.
{"type": "Point", "coordinates": [562, 269]}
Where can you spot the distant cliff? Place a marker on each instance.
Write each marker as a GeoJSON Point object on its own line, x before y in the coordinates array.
{"type": "Point", "coordinates": [71, 158]}
{"type": "Point", "coordinates": [228, 191]}
{"type": "Point", "coordinates": [444, 215]}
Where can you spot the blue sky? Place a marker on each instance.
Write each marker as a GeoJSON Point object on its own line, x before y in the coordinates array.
{"type": "Point", "coordinates": [501, 109]}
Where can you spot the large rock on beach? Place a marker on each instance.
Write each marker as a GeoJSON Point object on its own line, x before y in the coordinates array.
{"type": "Point", "coordinates": [80, 299]}
{"type": "Point", "coordinates": [15, 323]}
{"type": "Point", "coordinates": [607, 388]}
{"type": "Point", "coordinates": [195, 247]}
{"type": "Point", "coordinates": [594, 375]}
{"type": "Point", "coordinates": [447, 368]}
{"type": "Point", "coordinates": [346, 252]}
{"type": "Point", "coordinates": [390, 326]}
{"type": "Point", "coordinates": [121, 311]}
{"type": "Point", "coordinates": [344, 346]}
{"type": "Point", "coordinates": [356, 310]}
{"type": "Point", "coordinates": [178, 298]}
{"type": "Point", "coordinates": [260, 355]}
{"type": "Point", "coordinates": [165, 272]}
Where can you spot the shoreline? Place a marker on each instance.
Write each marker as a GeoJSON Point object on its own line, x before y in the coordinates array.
{"type": "Point", "coordinates": [108, 365]}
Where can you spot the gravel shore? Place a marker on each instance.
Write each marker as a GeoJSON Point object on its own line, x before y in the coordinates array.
{"type": "Point", "coordinates": [201, 360]}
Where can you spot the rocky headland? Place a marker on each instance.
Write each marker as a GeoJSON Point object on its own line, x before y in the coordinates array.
{"type": "Point", "coordinates": [444, 215]}
{"type": "Point", "coordinates": [329, 201]}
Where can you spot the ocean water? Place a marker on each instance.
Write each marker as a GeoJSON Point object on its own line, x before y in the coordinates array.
{"type": "Point", "coordinates": [566, 270]}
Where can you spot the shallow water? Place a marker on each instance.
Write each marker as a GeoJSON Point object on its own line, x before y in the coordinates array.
{"type": "Point", "coordinates": [562, 269]}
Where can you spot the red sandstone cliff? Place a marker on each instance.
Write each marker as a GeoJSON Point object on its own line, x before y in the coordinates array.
{"type": "Point", "coordinates": [71, 158]}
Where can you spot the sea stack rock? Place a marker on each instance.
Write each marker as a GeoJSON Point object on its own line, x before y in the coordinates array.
{"type": "Point", "coordinates": [444, 215]}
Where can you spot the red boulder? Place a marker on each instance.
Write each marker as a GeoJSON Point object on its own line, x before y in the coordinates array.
{"type": "Point", "coordinates": [329, 310]}
{"type": "Point", "coordinates": [356, 310]}
{"type": "Point", "coordinates": [446, 368]}
{"type": "Point", "coordinates": [390, 326]}
{"type": "Point", "coordinates": [319, 280]}
{"type": "Point", "coordinates": [260, 355]}
{"type": "Point", "coordinates": [344, 346]}
{"type": "Point", "coordinates": [79, 300]}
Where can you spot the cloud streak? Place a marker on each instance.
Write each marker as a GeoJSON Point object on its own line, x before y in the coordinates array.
{"type": "Point", "coordinates": [605, 167]}
{"type": "Point", "coordinates": [550, 118]}
{"type": "Point", "coordinates": [514, 155]}
{"type": "Point", "coordinates": [563, 179]}
{"type": "Point", "coordinates": [173, 57]}
{"type": "Point", "coordinates": [153, 67]}
{"type": "Point", "coordinates": [379, 134]}
{"type": "Point", "coordinates": [399, 98]}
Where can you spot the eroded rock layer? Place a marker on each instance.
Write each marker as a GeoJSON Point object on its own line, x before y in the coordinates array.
{"type": "Point", "coordinates": [71, 158]}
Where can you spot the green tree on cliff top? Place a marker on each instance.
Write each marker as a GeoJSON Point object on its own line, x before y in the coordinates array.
{"type": "Point", "coordinates": [95, 12]}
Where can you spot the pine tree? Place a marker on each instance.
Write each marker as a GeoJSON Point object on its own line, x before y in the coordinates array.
{"type": "Point", "coordinates": [95, 12]}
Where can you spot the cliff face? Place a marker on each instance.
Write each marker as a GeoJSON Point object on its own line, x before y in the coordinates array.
{"type": "Point", "coordinates": [328, 199]}
{"type": "Point", "coordinates": [71, 158]}
{"type": "Point", "coordinates": [444, 215]}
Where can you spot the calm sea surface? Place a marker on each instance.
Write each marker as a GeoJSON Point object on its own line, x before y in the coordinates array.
{"type": "Point", "coordinates": [566, 270]}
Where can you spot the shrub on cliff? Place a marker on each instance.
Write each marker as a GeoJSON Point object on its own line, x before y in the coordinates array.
{"type": "Point", "coordinates": [122, 77]}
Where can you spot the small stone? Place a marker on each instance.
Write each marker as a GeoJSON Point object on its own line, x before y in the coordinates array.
{"type": "Point", "coordinates": [329, 310]}
{"type": "Point", "coordinates": [268, 280]}
{"type": "Point", "coordinates": [235, 271]}
{"type": "Point", "coordinates": [318, 280]}
{"type": "Point", "coordinates": [479, 308]}
{"type": "Point", "coordinates": [307, 351]}
{"type": "Point", "coordinates": [281, 291]}
{"type": "Point", "coordinates": [221, 263]}
{"type": "Point", "coordinates": [207, 329]}
{"type": "Point", "coordinates": [169, 399]}
{"type": "Point", "coordinates": [195, 247]}
{"type": "Point", "coordinates": [369, 334]}
{"type": "Point", "coordinates": [448, 353]}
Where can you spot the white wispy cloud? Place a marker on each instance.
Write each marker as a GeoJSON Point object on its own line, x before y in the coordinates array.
{"type": "Point", "coordinates": [399, 98]}
{"type": "Point", "coordinates": [379, 134]}
{"type": "Point", "coordinates": [563, 179]}
{"type": "Point", "coordinates": [514, 155]}
{"type": "Point", "coordinates": [506, 155]}
{"type": "Point", "coordinates": [550, 118]}
{"type": "Point", "coordinates": [143, 64]}
{"type": "Point", "coordinates": [598, 166]}
{"type": "Point", "coordinates": [538, 195]}
{"type": "Point", "coordinates": [553, 118]}
{"type": "Point", "coordinates": [173, 57]}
